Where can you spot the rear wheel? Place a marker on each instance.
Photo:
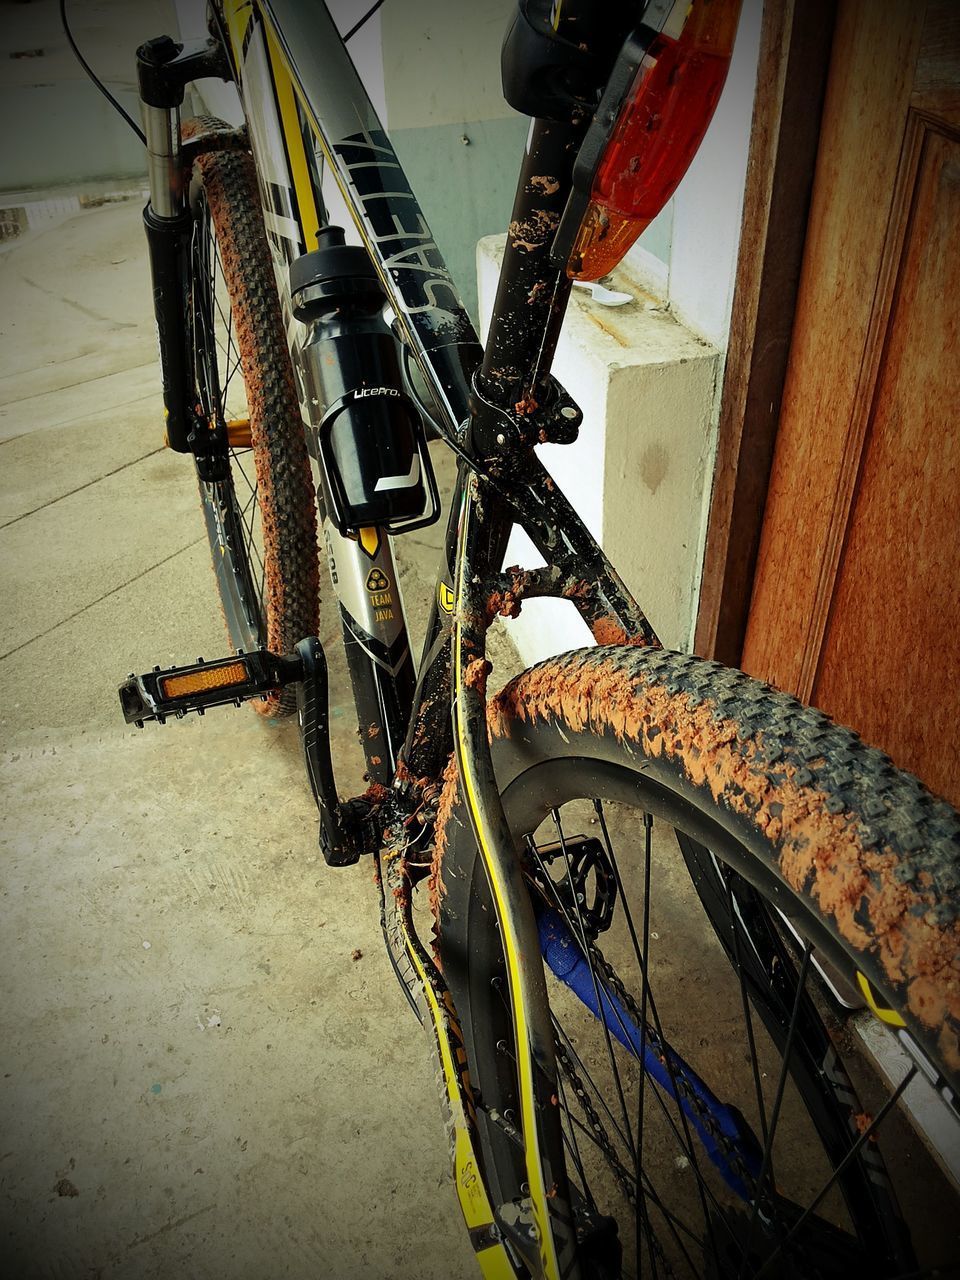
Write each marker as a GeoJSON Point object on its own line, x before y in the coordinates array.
{"type": "Point", "coordinates": [261, 518]}
{"type": "Point", "coordinates": [695, 846]}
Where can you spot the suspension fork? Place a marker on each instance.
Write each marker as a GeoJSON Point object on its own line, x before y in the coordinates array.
{"type": "Point", "coordinates": [164, 68]}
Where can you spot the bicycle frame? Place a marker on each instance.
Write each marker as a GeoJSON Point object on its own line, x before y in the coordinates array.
{"type": "Point", "coordinates": [306, 108]}
{"type": "Point", "coordinates": [301, 91]}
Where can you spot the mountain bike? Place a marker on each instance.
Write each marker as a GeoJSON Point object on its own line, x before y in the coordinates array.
{"type": "Point", "coordinates": [652, 882]}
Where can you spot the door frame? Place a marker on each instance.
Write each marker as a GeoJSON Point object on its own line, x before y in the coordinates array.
{"type": "Point", "coordinates": [796, 41]}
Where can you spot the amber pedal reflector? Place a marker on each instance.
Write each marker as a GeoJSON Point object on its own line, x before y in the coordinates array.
{"type": "Point", "coordinates": [203, 679]}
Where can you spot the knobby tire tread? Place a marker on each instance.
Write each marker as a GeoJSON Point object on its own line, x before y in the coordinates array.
{"type": "Point", "coordinates": [285, 489]}
{"type": "Point", "coordinates": [871, 852]}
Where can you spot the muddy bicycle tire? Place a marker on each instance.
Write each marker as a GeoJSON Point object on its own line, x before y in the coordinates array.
{"type": "Point", "coordinates": [261, 521]}
{"type": "Point", "coordinates": [782, 811]}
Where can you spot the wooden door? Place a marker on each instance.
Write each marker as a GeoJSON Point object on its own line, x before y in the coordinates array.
{"type": "Point", "coordinates": [856, 599]}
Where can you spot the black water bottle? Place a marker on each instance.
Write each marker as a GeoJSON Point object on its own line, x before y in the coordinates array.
{"type": "Point", "coordinates": [368, 432]}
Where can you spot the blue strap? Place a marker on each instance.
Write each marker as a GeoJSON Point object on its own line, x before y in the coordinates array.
{"type": "Point", "coordinates": [565, 958]}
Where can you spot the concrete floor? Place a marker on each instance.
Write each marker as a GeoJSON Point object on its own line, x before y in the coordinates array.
{"type": "Point", "coordinates": [198, 1077]}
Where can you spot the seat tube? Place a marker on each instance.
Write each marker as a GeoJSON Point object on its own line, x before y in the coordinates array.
{"type": "Point", "coordinates": [533, 291]}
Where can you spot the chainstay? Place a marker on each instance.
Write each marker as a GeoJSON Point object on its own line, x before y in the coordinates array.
{"type": "Point", "coordinates": [423, 981]}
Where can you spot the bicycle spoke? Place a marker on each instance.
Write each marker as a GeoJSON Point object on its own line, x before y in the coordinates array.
{"type": "Point", "coordinates": [777, 1104]}
{"type": "Point", "coordinates": [598, 808]}
{"type": "Point", "coordinates": [248, 525]}
{"type": "Point", "coordinates": [570, 1048]}
{"type": "Point", "coordinates": [250, 485]}
{"type": "Point", "coordinates": [231, 347]}
{"type": "Point", "coordinates": [648, 829]}
{"type": "Point", "coordinates": [851, 1155]}
{"type": "Point", "coordinates": [573, 1146]}
{"type": "Point", "coordinates": [642, 957]}
{"type": "Point", "coordinates": [585, 951]}
{"type": "Point", "coordinates": [213, 288]}
{"type": "Point", "coordinates": [748, 1021]}
{"type": "Point", "coordinates": [213, 307]}
{"type": "Point", "coordinates": [684, 1140]}
{"type": "Point", "coordinates": [596, 985]}
{"type": "Point", "coordinates": [674, 1224]}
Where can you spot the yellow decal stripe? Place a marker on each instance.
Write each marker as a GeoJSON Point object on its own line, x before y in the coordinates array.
{"type": "Point", "coordinates": [293, 137]}
{"type": "Point", "coordinates": [534, 1168]}
{"type": "Point", "coordinates": [474, 1202]}
{"type": "Point", "coordinates": [237, 14]}
{"type": "Point", "coordinates": [494, 1264]}
{"type": "Point", "coordinates": [370, 540]}
{"type": "Point", "coordinates": [889, 1016]}
{"type": "Point", "coordinates": [334, 168]}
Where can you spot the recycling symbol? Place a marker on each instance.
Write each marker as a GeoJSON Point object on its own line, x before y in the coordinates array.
{"type": "Point", "coordinates": [377, 580]}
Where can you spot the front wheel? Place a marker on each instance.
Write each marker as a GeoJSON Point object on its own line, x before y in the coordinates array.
{"type": "Point", "coordinates": [261, 518]}
{"type": "Point", "coordinates": [696, 846]}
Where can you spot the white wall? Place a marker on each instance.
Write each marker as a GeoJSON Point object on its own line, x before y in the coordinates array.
{"type": "Point", "coordinates": [637, 473]}
{"type": "Point", "coordinates": [365, 50]}
{"type": "Point", "coordinates": [57, 128]}
{"type": "Point", "coordinates": [695, 274]}
{"type": "Point", "coordinates": [708, 204]}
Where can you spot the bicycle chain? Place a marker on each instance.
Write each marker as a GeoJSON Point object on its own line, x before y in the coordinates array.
{"type": "Point", "coordinates": [684, 1087]}
{"type": "Point", "coordinates": [602, 1139]}
{"type": "Point", "coordinates": [624, 1180]}
{"type": "Point", "coordinates": [674, 1066]}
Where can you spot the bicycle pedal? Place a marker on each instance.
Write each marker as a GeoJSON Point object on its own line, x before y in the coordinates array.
{"type": "Point", "coordinates": [174, 692]}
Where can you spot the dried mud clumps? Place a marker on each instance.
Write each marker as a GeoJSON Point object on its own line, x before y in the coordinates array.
{"type": "Point", "coordinates": [475, 676]}
{"type": "Point", "coordinates": [371, 799]}
{"type": "Point", "coordinates": [866, 886]}
{"type": "Point", "coordinates": [505, 603]}
{"type": "Point", "coordinates": [436, 888]}
{"type": "Point", "coordinates": [608, 631]}
{"type": "Point", "coordinates": [376, 793]}
{"type": "Point", "coordinates": [535, 231]}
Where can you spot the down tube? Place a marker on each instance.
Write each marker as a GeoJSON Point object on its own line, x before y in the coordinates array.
{"type": "Point", "coordinates": [362, 159]}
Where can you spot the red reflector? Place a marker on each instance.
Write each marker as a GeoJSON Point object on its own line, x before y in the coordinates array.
{"type": "Point", "coordinates": [660, 127]}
